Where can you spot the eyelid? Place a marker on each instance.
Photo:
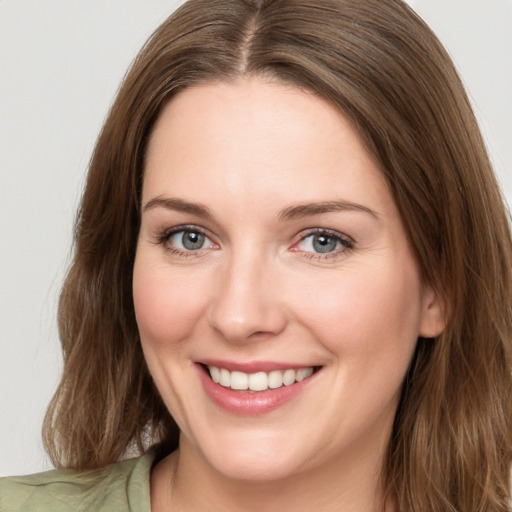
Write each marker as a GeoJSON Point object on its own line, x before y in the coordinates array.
{"type": "Point", "coordinates": [167, 232]}
{"type": "Point", "coordinates": [326, 231]}
{"type": "Point", "coordinates": [163, 236]}
{"type": "Point", "coordinates": [321, 231]}
{"type": "Point", "coordinates": [346, 241]}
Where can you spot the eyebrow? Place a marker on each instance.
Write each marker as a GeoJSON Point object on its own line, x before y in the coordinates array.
{"type": "Point", "coordinates": [295, 211]}
{"type": "Point", "coordinates": [301, 210]}
{"type": "Point", "coordinates": [180, 205]}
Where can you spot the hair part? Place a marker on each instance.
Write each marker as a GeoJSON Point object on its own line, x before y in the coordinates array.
{"type": "Point", "coordinates": [378, 63]}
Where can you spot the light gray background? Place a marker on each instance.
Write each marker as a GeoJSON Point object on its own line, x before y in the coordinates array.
{"type": "Point", "coordinates": [61, 62]}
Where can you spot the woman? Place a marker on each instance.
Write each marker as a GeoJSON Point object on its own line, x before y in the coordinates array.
{"type": "Point", "coordinates": [292, 277]}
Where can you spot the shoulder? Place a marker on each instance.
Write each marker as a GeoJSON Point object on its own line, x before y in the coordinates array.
{"type": "Point", "coordinates": [121, 486]}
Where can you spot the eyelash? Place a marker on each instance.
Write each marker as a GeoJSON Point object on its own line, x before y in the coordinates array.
{"type": "Point", "coordinates": [164, 236]}
{"type": "Point", "coordinates": [346, 242]}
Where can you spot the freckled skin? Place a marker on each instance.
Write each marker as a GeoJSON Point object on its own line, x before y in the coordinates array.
{"type": "Point", "coordinates": [257, 291]}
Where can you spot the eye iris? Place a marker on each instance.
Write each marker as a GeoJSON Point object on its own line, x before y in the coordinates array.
{"type": "Point", "coordinates": [192, 240]}
{"type": "Point", "coordinates": [324, 243]}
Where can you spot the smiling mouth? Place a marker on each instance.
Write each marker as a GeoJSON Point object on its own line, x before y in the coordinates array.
{"type": "Point", "coordinates": [259, 381]}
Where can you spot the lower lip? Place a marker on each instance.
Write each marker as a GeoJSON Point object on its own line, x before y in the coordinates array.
{"type": "Point", "coordinates": [251, 403]}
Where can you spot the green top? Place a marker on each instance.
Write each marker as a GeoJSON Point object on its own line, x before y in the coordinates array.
{"type": "Point", "coordinates": [121, 487]}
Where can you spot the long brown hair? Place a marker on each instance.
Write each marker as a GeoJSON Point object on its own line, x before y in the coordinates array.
{"type": "Point", "coordinates": [375, 60]}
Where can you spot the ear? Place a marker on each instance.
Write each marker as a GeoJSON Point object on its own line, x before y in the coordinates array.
{"type": "Point", "coordinates": [433, 316]}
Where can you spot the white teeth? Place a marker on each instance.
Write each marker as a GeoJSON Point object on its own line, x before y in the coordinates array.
{"type": "Point", "coordinates": [288, 377]}
{"type": "Point", "coordinates": [239, 380]}
{"type": "Point", "coordinates": [275, 379]}
{"type": "Point", "coordinates": [303, 373]}
{"type": "Point", "coordinates": [215, 373]}
{"type": "Point", "coordinates": [225, 378]}
{"type": "Point", "coordinates": [259, 381]}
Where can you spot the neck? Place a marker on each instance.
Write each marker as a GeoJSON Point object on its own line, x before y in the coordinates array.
{"type": "Point", "coordinates": [185, 482]}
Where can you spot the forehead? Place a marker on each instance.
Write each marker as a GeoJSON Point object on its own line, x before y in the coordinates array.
{"type": "Point", "coordinates": [258, 139]}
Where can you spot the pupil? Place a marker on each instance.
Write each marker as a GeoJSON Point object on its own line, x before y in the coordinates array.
{"type": "Point", "coordinates": [192, 241]}
{"type": "Point", "coordinates": [324, 243]}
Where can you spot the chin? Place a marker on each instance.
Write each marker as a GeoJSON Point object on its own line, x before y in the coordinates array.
{"type": "Point", "coordinates": [253, 467]}
{"type": "Point", "coordinates": [255, 457]}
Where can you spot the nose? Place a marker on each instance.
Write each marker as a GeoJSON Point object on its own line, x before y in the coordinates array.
{"type": "Point", "coordinates": [246, 305]}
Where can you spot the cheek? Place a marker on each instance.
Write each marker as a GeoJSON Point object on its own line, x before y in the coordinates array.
{"type": "Point", "coordinates": [365, 314]}
{"type": "Point", "coordinates": [166, 305]}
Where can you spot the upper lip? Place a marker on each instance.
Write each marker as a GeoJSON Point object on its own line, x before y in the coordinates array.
{"type": "Point", "coordinates": [253, 366]}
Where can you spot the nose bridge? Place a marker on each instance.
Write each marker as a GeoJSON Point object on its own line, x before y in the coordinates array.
{"type": "Point", "coordinates": [245, 303]}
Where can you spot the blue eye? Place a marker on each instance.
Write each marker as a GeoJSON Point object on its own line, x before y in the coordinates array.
{"type": "Point", "coordinates": [188, 240]}
{"type": "Point", "coordinates": [324, 242]}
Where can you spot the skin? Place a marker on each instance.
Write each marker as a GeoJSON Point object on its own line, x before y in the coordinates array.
{"type": "Point", "coordinates": [258, 290]}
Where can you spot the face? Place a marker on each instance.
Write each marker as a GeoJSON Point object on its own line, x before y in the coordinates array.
{"type": "Point", "coordinates": [276, 296]}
